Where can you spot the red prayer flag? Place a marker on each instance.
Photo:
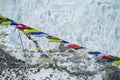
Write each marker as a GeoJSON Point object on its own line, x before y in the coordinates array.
{"type": "Point", "coordinates": [22, 26]}
{"type": "Point", "coordinates": [74, 46]}
{"type": "Point", "coordinates": [107, 56]}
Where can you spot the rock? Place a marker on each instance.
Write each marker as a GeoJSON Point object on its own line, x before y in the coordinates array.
{"type": "Point", "coordinates": [8, 61]}
{"type": "Point", "coordinates": [112, 73]}
{"type": "Point", "coordinates": [70, 65]}
{"type": "Point", "coordinates": [62, 48]}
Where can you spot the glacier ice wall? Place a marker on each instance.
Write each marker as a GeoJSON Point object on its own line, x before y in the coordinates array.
{"type": "Point", "coordinates": [90, 23]}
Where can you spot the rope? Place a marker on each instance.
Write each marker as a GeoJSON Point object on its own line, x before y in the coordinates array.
{"type": "Point", "coordinates": [21, 40]}
{"type": "Point", "coordinates": [26, 60]}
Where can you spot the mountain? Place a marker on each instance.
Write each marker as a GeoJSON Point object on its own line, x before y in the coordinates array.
{"type": "Point", "coordinates": [90, 23]}
{"type": "Point", "coordinates": [72, 66]}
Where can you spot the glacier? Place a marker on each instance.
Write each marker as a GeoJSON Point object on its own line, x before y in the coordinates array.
{"type": "Point", "coordinates": [90, 23]}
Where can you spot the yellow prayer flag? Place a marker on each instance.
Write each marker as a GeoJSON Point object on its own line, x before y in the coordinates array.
{"type": "Point", "coordinates": [47, 59]}
{"type": "Point", "coordinates": [55, 40]}
{"type": "Point", "coordinates": [2, 17]}
{"type": "Point", "coordinates": [6, 23]}
{"type": "Point", "coordinates": [3, 41]}
{"type": "Point", "coordinates": [27, 31]}
{"type": "Point", "coordinates": [117, 63]}
{"type": "Point", "coordinates": [38, 48]}
{"type": "Point", "coordinates": [32, 39]}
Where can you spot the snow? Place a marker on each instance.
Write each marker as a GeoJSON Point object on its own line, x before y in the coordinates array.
{"type": "Point", "coordinates": [55, 75]}
{"type": "Point", "coordinates": [90, 23]}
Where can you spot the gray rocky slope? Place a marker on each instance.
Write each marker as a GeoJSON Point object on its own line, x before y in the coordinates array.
{"type": "Point", "coordinates": [72, 66]}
